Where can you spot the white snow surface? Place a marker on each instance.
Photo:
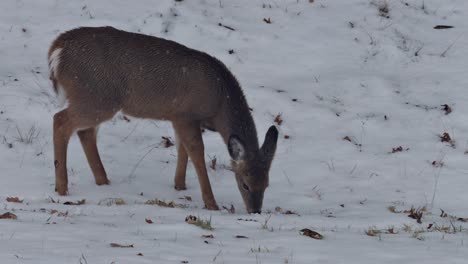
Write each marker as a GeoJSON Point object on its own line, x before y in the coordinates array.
{"type": "Point", "coordinates": [379, 79]}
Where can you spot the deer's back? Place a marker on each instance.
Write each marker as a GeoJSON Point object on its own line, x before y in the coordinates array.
{"type": "Point", "coordinates": [144, 76]}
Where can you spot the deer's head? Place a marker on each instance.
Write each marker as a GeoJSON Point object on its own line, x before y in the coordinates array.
{"type": "Point", "coordinates": [252, 168]}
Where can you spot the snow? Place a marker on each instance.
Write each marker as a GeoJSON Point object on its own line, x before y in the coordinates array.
{"type": "Point", "coordinates": [379, 81]}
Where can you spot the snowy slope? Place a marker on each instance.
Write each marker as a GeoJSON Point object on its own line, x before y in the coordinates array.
{"type": "Point", "coordinates": [351, 82]}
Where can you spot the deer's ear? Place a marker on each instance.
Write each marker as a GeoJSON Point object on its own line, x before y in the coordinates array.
{"type": "Point", "coordinates": [236, 148]}
{"type": "Point", "coordinates": [269, 146]}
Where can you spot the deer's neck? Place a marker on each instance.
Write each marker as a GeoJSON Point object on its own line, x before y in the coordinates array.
{"type": "Point", "coordinates": [235, 119]}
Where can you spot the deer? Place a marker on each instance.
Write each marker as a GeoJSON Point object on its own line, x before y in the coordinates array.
{"type": "Point", "coordinates": [99, 71]}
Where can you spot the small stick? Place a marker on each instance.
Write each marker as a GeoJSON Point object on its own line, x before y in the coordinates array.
{"type": "Point", "coordinates": [228, 27]}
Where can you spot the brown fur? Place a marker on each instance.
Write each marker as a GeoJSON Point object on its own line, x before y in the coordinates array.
{"type": "Point", "coordinates": [105, 70]}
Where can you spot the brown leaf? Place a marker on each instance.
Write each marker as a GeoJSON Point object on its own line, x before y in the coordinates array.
{"type": "Point", "coordinates": [80, 202]}
{"type": "Point", "coordinates": [14, 200]}
{"type": "Point", "coordinates": [442, 27]}
{"type": "Point", "coordinates": [397, 149]}
{"type": "Point", "coordinates": [167, 142]}
{"type": "Point", "coordinates": [116, 245]}
{"type": "Point", "coordinates": [446, 108]}
{"type": "Point", "coordinates": [311, 233]}
{"type": "Point", "coordinates": [416, 214]}
{"type": "Point", "coordinates": [187, 198]}
{"type": "Point", "coordinates": [443, 213]}
{"type": "Point", "coordinates": [140, 254]}
{"type": "Point", "coordinates": [231, 210]}
{"type": "Point", "coordinates": [191, 219]}
{"type": "Point", "coordinates": [278, 119]}
{"type": "Point", "coordinates": [437, 164]}
{"type": "Point", "coordinates": [8, 215]}
{"type": "Point", "coordinates": [208, 236]}
{"type": "Point", "coordinates": [445, 137]}
{"type": "Point", "coordinates": [149, 221]}
{"type": "Point", "coordinates": [213, 163]}
{"type": "Point", "coordinates": [247, 220]}
{"type": "Point", "coordinates": [289, 212]}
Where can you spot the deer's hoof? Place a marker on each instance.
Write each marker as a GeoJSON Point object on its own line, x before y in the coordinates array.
{"type": "Point", "coordinates": [62, 191]}
{"type": "Point", "coordinates": [180, 187]}
{"type": "Point", "coordinates": [104, 181]}
{"type": "Point", "coordinates": [212, 207]}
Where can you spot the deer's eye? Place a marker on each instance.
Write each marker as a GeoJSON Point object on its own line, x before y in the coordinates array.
{"type": "Point", "coordinates": [245, 187]}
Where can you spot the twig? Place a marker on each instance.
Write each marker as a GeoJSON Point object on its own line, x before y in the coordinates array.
{"type": "Point", "coordinates": [287, 178]}
{"type": "Point", "coordinates": [436, 183]}
{"type": "Point", "coordinates": [129, 134]}
{"type": "Point", "coordinates": [215, 257]}
{"type": "Point", "coordinates": [228, 27]}
{"type": "Point", "coordinates": [139, 161]}
{"type": "Point", "coordinates": [450, 46]}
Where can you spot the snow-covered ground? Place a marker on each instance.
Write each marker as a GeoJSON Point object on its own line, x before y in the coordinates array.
{"type": "Point", "coordinates": [353, 81]}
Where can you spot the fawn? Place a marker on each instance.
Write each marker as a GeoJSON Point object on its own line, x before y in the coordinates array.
{"type": "Point", "coordinates": [100, 71]}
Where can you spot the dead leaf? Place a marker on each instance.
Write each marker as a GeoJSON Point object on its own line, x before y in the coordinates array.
{"type": "Point", "coordinates": [446, 108]}
{"type": "Point", "coordinates": [442, 27]}
{"type": "Point", "coordinates": [8, 215]}
{"type": "Point", "coordinates": [14, 200]}
{"type": "Point", "coordinates": [231, 210]}
{"type": "Point", "coordinates": [111, 201]}
{"type": "Point", "coordinates": [167, 142]}
{"type": "Point", "coordinates": [80, 202]}
{"type": "Point", "coordinates": [445, 137]}
{"type": "Point", "coordinates": [187, 198]}
{"type": "Point", "coordinates": [208, 236]}
{"type": "Point", "coordinates": [149, 221]}
{"type": "Point", "coordinates": [289, 212]}
{"type": "Point", "coordinates": [247, 220]}
{"type": "Point", "coordinates": [116, 245]}
{"type": "Point", "coordinates": [191, 219]}
{"type": "Point", "coordinates": [240, 236]}
{"type": "Point", "coordinates": [311, 233]}
{"type": "Point", "coordinates": [416, 214]}
{"type": "Point", "coordinates": [162, 203]}
{"type": "Point", "coordinates": [278, 119]}
{"type": "Point", "coordinates": [213, 163]}
{"type": "Point", "coordinates": [140, 254]}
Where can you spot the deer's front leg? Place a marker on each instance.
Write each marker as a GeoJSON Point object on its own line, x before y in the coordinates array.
{"type": "Point", "coordinates": [182, 159]}
{"type": "Point", "coordinates": [190, 137]}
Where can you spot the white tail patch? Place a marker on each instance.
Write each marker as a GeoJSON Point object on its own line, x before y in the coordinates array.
{"type": "Point", "coordinates": [61, 96]}
{"type": "Point", "coordinates": [54, 61]}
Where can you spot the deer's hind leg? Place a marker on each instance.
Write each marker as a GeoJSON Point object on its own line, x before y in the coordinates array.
{"type": "Point", "coordinates": [63, 129]}
{"type": "Point", "coordinates": [88, 141]}
{"type": "Point", "coordinates": [66, 122]}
